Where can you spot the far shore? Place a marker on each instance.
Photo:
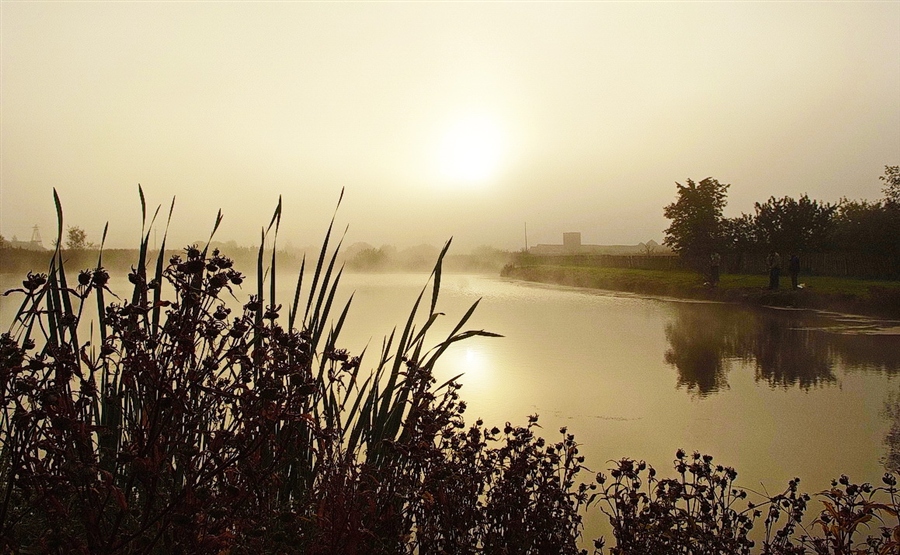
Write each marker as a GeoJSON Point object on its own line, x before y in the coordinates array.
{"type": "Point", "coordinates": [850, 296]}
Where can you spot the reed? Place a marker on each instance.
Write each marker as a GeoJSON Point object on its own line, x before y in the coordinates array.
{"type": "Point", "coordinates": [179, 427]}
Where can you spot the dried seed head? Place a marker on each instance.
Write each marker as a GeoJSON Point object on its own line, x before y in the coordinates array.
{"type": "Point", "coordinates": [34, 281]}
{"type": "Point", "coordinates": [100, 277]}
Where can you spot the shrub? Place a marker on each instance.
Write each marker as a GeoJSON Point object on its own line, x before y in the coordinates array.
{"type": "Point", "coordinates": [184, 428]}
{"type": "Point", "coordinates": [701, 512]}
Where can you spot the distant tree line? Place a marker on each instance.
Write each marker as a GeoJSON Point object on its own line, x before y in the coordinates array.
{"type": "Point", "coordinates": [363, 257]}
{"type": "Point", "coordinates": [869, 229]}
{"type": "Point", "coordinates": [76, 239]}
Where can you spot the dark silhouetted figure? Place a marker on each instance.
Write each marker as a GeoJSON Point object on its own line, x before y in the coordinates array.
{"type": "Point", "coordinates": [773, 262]}
{"type": "Point", "coordinates": [794, 269]}
{"type": "Point", "coordinates": [714, 262]}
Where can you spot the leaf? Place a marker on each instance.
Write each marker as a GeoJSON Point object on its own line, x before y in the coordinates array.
{"type": "Point", "coordinates": [831, 510]}
{"type": "Point", "coordinates": [59, 220]}
{"type": "Point", "coordinates": [120, 498]}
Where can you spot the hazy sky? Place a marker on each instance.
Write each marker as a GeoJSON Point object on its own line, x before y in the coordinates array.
{"type": "Point", "coordinates": [439, 119]}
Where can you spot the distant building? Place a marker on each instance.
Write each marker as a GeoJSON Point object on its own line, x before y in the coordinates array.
{"type": "Point", "coordinates": [572, 241]}
{"type": "Point", "coordinates": [571, 244]}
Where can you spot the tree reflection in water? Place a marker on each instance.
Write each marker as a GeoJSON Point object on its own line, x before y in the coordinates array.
{"type": "Point", "coordinates": [786, 356]}
{"type": "Point", "coordinates": [787, 348]}
{"type": "Point", "coordinates": [891, 413]}
{"type": "Point", "coordinates": [700, 346]}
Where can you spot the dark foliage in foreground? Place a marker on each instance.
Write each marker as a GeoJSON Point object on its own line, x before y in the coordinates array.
{"type": "Point", "coordinates": [700, 511]}
{"type": "Point", "coordinates": [179, 427]}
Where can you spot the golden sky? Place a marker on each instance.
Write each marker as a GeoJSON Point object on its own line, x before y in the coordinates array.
{"type": "Point", "coordinates": [439, 118]}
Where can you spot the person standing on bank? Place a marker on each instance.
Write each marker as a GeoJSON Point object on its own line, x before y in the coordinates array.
{"type": "Point", "coordinates": [794, 269]}
{"type": "Point", "coordinates": [714, 262]}
{"type": "Point", "coordinates": [773, 262]}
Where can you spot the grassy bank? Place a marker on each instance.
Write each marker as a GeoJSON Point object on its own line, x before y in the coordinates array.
{"type": "Point", "coordinates": [855, 296]}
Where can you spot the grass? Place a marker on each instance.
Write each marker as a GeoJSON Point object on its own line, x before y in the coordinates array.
{"type": "Point", "coordinates": [877, 298]}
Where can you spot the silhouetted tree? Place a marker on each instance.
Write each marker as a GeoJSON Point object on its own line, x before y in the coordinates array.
{"type": "Point", "coordinates": [370, 259]}
{"type": "Point", "coordinates": [870, 228]}
{"type": "Point", "coordinates": [696, 214]}
{"type": "Point", "coordinates": [738, 237]}
{"type": "Point", "coordinates": [860, 226]}
{"type": "Point", "coordinates": [793, 225]}
{"type": "Point", "coordinates": [76, 239]}
{"type": "Point", "coordinates": [891, 180]}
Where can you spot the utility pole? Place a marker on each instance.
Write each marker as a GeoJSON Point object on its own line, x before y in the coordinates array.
{"type": "Point", "coordinates": [526, 236]}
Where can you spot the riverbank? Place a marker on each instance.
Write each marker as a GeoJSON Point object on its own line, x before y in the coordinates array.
{"type": "Point", "coordinates": [853, 296]}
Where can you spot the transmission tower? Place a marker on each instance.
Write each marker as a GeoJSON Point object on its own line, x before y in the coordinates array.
{"type": "Point", "coordinates": [36, 236]}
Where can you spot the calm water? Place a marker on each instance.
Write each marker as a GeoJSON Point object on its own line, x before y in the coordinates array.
{"type": "Point", "coordinates": [774, 393]}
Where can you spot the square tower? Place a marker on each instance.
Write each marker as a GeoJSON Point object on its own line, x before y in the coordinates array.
{"type": "Point", "coordinates": [572, 241]}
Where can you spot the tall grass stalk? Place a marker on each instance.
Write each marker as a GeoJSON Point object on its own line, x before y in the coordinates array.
{"type": "Point", "coordinates": [181, 427]}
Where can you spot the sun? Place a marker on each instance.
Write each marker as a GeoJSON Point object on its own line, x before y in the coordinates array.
{"type": "Point", "coordinates": [471, 150]}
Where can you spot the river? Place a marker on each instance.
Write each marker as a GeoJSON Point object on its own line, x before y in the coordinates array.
{"type": "Point", "coordinates": [776, 394]}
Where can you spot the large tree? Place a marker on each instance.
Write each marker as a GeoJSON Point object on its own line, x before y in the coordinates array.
{"type": "Point", "coordinates": [863, 226]}
{"type": "Point", "coordinates": [738, 238]}
{"type": "Point", "coordinates": [795, 225]}
{"type": "Point", "coordinates": [891, 180]}
{"type": "Point", "coordinates": [696, 214]}
{"type": "Point", "coordinates": [871, 228]}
